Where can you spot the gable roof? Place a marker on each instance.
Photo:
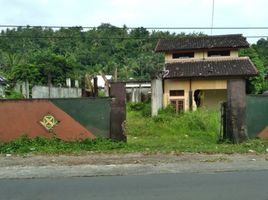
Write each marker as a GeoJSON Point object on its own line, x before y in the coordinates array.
{"type": "Point", "coordinates": [235, 67]}
{"type": "Point", "coordinates": [202, 42]}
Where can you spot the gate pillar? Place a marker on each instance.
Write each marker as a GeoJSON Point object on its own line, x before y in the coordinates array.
{"type": "Point", "coordinates": [236, 110]}
{"type": "Point", "coordinates": [118, 111]}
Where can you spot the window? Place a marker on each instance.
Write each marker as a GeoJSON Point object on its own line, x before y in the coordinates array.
{"type": "Point", "coordinates": [218, 53]}
{"type": "Point", "coordinates": [183, 55]}
{"type": "Point", "coordinates": [176, 93]}
{"type": "Point", "coordinates": [178, 105]}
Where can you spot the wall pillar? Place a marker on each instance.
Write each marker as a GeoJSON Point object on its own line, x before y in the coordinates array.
{"type": "Point", "coordinates": [236, 110]}
{"type": "Point", "coordinates": [157, 95]}
{"type": "Point", "coordinates": [118, 111]}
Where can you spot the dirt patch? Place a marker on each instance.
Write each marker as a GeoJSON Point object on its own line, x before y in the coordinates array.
{"type": "Point", "coordinates": [133, 158]}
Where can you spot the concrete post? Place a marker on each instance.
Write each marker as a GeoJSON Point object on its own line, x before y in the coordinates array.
{"type": "Point", "coordinates": [236, 110]}
{"type": "Point", "coordinates": [68, 82]}
{"type": "Point", "coordinates": [157, 95]}
{"type": "Point", "coordinates": [76, 83]}
{"type": "Point", "coordinates": [118, 111]}
{"type": "Point", "coordinates": [96, 89]}
{"type": "Point", "coordinates": [25, 89]}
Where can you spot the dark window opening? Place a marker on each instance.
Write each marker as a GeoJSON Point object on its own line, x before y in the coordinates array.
{"type": "Point", "coordinates": [178, 105]}
{"type": "Point", "coordinates": [197, 98]}
{"type": "Point", "coordinates": [176, 93]}
{"type": "Point", "coordinates": [183, 55]}
{"type": "Point", "coordinates": [218, 53]}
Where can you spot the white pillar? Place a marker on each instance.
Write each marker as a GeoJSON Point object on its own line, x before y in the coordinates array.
{"type": "Point", "coordinates": [157, 95]}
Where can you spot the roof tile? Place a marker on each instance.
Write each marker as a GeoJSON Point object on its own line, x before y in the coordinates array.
{"type": "Point", "coordinates": [202, 42]}
{"type": "Point", "coordinates": [240, 67]}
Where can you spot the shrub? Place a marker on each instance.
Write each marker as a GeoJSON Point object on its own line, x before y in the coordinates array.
{"type": "Point", "coordinates": [136, 106]}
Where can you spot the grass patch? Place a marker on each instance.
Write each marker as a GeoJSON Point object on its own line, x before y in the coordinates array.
{"type": "Point", "coordinates": [195, 132]}
{"type": "Point", "coordinates": [54, 145]}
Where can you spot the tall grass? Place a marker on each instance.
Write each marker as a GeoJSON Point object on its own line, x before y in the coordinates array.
{"type": "Point", "coordinates": [196, 131]}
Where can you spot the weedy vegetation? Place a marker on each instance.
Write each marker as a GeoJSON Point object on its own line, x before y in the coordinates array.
{"type": "Point", "coordinates": [169, 132]}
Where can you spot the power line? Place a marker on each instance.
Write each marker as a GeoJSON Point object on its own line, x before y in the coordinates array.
{"type": "Point", "coordinates": [104, 38]}
{"type": "Point", "coordinates": [149, 28]}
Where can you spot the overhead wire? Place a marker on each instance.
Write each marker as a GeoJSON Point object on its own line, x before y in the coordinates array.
{"type": "Point", "coordinates": [127, 28]}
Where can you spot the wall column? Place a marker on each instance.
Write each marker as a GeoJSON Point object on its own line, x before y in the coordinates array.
{"type": "Point", "coordinates": [157, 95]}
{"type": "Point", "coordinates": [118, 111]}
{"type": "Point", "coordinates": [236, 110]}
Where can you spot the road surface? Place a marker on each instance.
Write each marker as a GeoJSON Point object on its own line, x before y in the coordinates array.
{"type": "Point", "coordinates": [239, 185]}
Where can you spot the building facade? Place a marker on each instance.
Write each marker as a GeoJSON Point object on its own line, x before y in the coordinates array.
{"type": "Point", "coordinates": [197, 69]}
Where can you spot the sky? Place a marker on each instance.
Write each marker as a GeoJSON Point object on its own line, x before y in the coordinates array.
{"type": "Point", "coordinates": [137, 13]}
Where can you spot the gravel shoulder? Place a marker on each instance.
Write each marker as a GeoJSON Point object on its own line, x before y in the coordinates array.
{"type": "Point", "coordinates": [92, 164]}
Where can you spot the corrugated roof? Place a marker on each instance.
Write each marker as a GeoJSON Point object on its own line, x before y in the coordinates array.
{"type": "Point", "coordinates": [202, 42]}
{"type": "Point", "coordinates": [240, 67]}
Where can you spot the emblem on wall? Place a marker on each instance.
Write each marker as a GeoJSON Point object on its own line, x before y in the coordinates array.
{"type": "Point", "coordinates": [49, 122]}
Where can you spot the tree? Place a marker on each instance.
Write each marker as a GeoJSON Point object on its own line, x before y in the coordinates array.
{"type": "Point", "coordinates": [255, 84]}
{"type": "Point", "coordinates": [53, 66]}
{"type": "Point", "coordinates": [25, 72]}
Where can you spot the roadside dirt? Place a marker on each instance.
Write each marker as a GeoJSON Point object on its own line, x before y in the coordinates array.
{"type": "Point", "coordinates": [132, 158]}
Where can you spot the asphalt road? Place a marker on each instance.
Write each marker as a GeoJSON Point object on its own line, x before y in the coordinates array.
{"type": "Point", "coordinates": [201, 186]}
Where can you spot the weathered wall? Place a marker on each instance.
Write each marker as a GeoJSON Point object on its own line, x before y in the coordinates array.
{"type": "Point", "coordinates": [157, 96]}
{"type": "Point", "coordinates": [257, 116]}
{"type": "Point", "coordinates": [55, 92]}
{"type": "Point", "coordinates": [213, 98]}
{"type": "Point", "coordinates": [76, 119]}
{"type": "Point", "coordinates": [23, 117]}
{"type": "Point", "coordinates": [212, 87]}
{"type": "Point", "coordinates": [236, 110]}
{"type": "Point", "coordinates": [118, 111]}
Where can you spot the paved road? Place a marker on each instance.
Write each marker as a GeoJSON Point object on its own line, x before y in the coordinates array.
{"type": "Point", "coordinates": [201, 186]}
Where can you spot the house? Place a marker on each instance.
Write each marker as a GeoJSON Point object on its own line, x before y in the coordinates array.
{"type": "Point", "coordinates": [197, 69]}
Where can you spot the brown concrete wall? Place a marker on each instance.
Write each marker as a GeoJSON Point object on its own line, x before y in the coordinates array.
{"type": "Point", "coordinates": [236, 110]}
{"type": "Point", "coordinates": [22, 117]}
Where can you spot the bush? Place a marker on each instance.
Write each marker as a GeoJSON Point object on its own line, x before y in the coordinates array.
{"type": "Point", "coordinates": [143, 108]}
{"type": "Point", "coordinates": [136, 106]}
{"type": "Point", "coordinates": [12, 94]}
{"type": "Point", "coordinates": [146, 111]}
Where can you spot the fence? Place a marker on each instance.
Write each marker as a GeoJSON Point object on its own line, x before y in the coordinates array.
{"type": "Point", "coordinates": [257, 116]}
{"type": "Point", "coordinates": [67, 119]}
{"type": "Point", "coordinates": [55, 92]}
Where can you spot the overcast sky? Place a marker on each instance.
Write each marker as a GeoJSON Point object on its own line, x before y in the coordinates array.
{"type": "Point", "coordinates": [133, 13]}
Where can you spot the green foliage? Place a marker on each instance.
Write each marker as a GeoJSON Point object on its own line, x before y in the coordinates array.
{"type": "Point", "coordinates": [54, 145]}
{"type": "Point", "coordinates": [186, 132]}
{"type": "Point", "coordinates": [256, 84]}
{"type": "Point", "coordinates": [136, 106]}
{"type": "Point", "coordinates": [25, 72]}
{"type": "Point", "coordinates": [102, 93]}
{"type": "Point", "coordinates": [73, 52]}
{"type": "Point", "coordinates": [10, 93]}
{"type": "Point", "coordinates": [143, 108]}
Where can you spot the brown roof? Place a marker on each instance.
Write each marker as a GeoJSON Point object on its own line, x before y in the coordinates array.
{"type": "Point", "coordinates": [202, 42]}
{"type": "Point", "coordinates": [238, 67]}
